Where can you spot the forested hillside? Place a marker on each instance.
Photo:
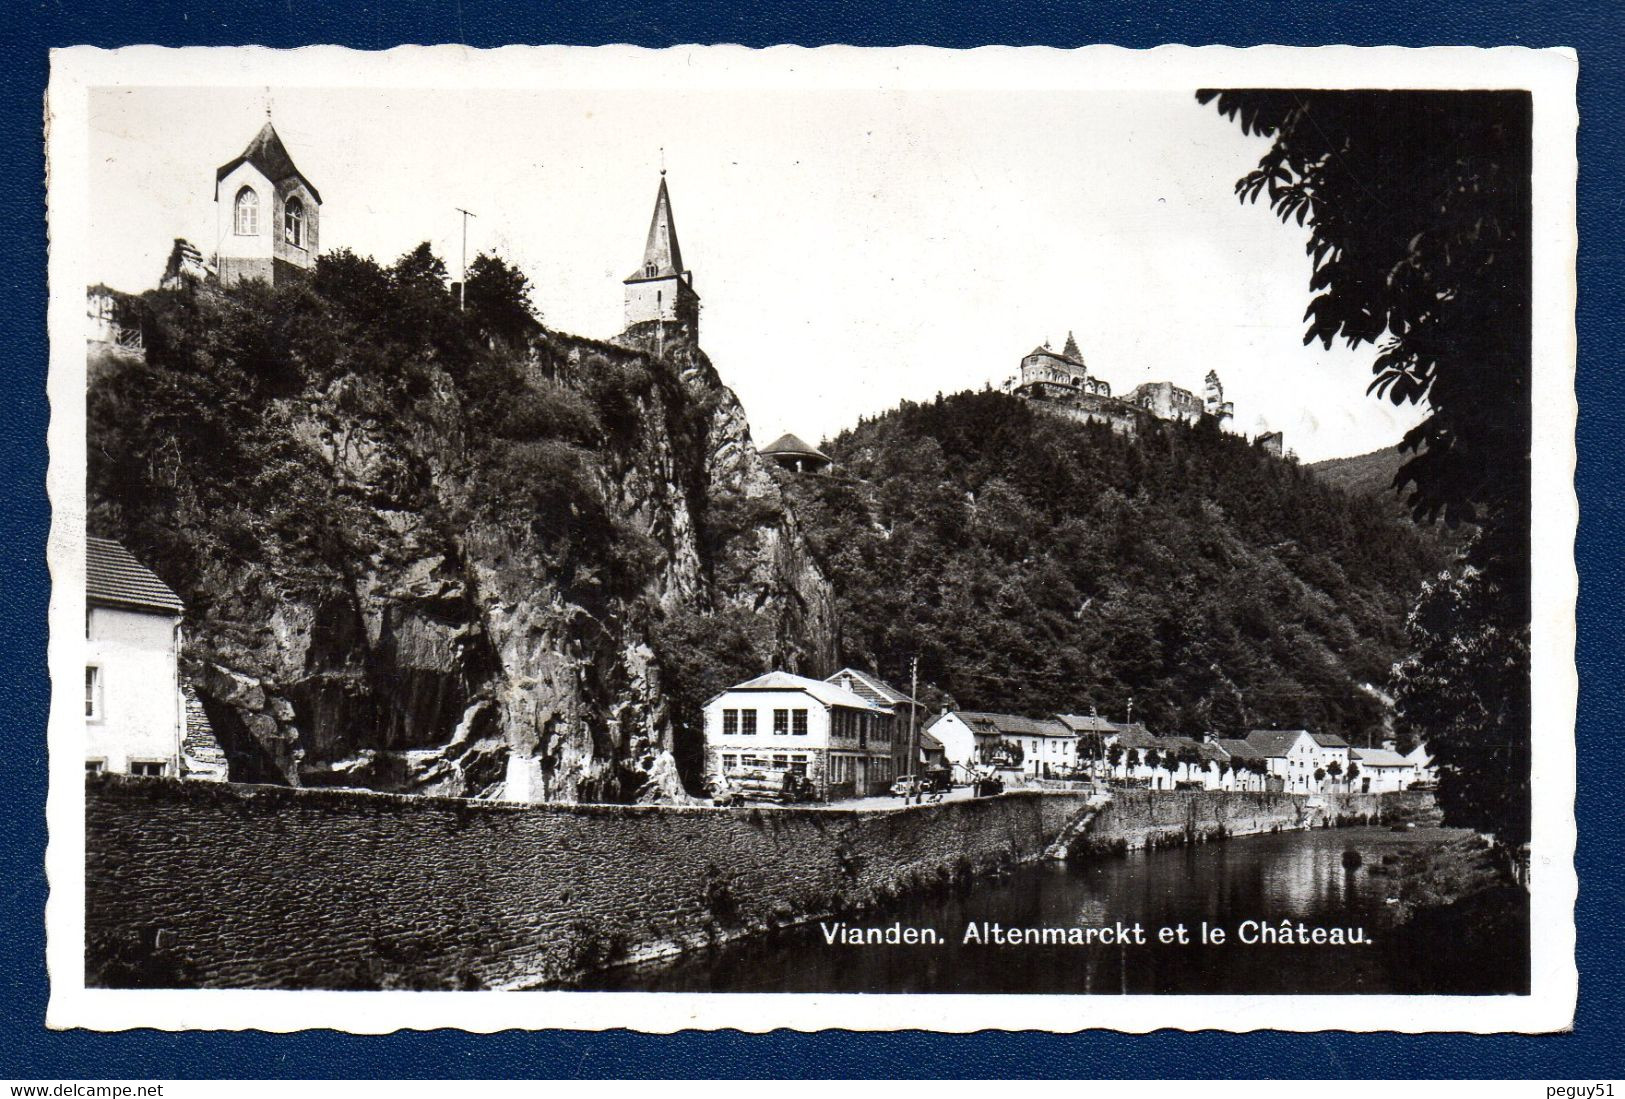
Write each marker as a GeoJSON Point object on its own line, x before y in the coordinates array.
{"type": "Point", "coordinates": [1036, 564]}
{"type": "Point", "coordinates": [1371, 474]}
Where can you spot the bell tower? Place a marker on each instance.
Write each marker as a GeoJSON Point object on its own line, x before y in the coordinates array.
{"type": "Point", "coordinates": [268, 213]}
{"type": "Point", "coordinates": [661, 290]}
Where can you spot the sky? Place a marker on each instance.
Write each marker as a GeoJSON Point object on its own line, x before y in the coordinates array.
{"type": "Point", "coordinates": [851, 248]}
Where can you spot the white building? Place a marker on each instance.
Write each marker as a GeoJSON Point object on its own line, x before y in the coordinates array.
{"type": "Point", "coordinates": [1382, 770]}
{"type": "Point", "coordinates": [135, 717]}
{"type": "Point", "coordinates": [1291, 755]}
{"type": "Point", "coordinates": [958, 740]}
{"type": "Point", "coordinates": [1421, 759]}
{"type": "Point", "coordinates": [1330, 750]}
{"type": "Point", "coordinates": [976, 739]}
{"type": "Point", "coordinates": [841, 742]}
{"type": "Point", "coordinates": [267, 213]}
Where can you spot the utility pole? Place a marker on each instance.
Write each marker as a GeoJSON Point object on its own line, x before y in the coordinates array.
{"type": "Point", "coordinates": [913, 734]}
{"type": "Point", "coordinates": [462, 286]}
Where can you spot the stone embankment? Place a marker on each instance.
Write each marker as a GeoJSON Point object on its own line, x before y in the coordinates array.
{"type": "Point", "coordinates": [1147, 818]}
{"type": "Point", "coordinates": [234, 886]}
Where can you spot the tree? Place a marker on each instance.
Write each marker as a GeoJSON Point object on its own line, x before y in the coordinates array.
{"type": "Point", "coordinates": [1354, 773]}
{"type": "Point", "coordinates": [1465, 690]}
{"type": "Point", "coordinates": [1417, 205]}
{"type": "Point", "coordinates": [1335, 769]}
{"type": "Point", "coordinates": [497, 297]}
{"type": "Point", "coordinates": [1418, 210]}
{"type": "Point", "coordinates": [1170, 763]}
{"type": "Point", "coordinates": [1114, 756]}
{"type": "Point", "coordinates": [1134, 760]}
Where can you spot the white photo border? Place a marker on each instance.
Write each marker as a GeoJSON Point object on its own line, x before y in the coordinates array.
{"type": "Point", "coordinates": [1549, 74]}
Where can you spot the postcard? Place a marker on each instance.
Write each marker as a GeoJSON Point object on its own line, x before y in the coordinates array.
{"type": "Point", "coordinates": [864, 538]}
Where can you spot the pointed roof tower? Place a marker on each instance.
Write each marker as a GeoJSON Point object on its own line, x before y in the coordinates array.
{"type": "Point", "coordinates": [1071, 349]}
{"type": "Point", "coordinates": [267, 153]}
{"type": "Point", "coordinates": [662, 258]}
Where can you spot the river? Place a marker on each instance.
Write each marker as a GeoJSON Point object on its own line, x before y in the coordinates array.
{"type": "Point", "coordinates": [1295, 876]}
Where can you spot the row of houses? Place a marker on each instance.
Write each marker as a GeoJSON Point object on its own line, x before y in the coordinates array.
{"type": "Point", "coordinates": [847, 735]}
{"type": "Point", "coordinates": [1066, 745]}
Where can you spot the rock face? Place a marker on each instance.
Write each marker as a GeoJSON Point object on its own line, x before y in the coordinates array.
{"type": "Point", "coordinates": [443, 641]}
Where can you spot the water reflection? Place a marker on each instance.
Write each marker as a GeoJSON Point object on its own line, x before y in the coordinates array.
{"type": "Point", "coordinates": [1298, 876]}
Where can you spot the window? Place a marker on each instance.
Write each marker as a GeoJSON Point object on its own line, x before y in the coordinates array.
{"type": "Point", "coordinates": [146, 767]}
{"type": "Point", "coordinates": [95, 766]}
{"type": "Point", "coordinates": [730, 762]}
{"type": "Point", "coordinates": [781, 763]}
{"type": "Point", "coordinates": [730, 722]}
{"type": "Point", "coordinates": [747, 722]}
{"type": "Point", "coordinates": [93, 692]}
{"type": "Point", "coordinates": [798, 766]}
{"type": "Point", "coordinates": [247, 223]}
{"type": "Point", "coordinates": [798, 722]}
{"type": "Point", "coordinates": [781, 722]}
{"type": "Point", "coordinates": [293, 222]}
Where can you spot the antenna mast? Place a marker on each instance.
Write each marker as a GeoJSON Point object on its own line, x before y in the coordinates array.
{"type": "Point", "coordinates": [462, 285]}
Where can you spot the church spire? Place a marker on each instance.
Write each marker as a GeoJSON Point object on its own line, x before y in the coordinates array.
{"type": "Point", "coordinates": [662, 289]}
{"type": "Point", "coordinates": [1071, 349]}
{"type": "Point", "coordinates": [662, 258]}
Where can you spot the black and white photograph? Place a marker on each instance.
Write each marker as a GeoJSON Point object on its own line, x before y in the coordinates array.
{"type": "Point", "coordinates": [713, 537]}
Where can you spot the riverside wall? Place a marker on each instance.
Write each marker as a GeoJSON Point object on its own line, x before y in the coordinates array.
{"type": "Point", "coordinates": [1146, 818]}
{"type": "Point", "coordinates": [230, 885]}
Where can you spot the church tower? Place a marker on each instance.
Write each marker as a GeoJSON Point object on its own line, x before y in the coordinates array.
{"type": "Point", "coordinates": [660, 289]}
{"type": "Point", "coordinates": [267, 213]}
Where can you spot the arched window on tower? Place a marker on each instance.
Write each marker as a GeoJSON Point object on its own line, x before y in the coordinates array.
{"type": "Point", "coordinates": [293, 222]}
{"type": "Point", "coordinates": [247, 222]}
{"type": "Point", "coordinates": [650, 270]}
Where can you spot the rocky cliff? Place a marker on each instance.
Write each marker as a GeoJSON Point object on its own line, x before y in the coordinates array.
{"type": "Point", "coordinates": [430, 552]}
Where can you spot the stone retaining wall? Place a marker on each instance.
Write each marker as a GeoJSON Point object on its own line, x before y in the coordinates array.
{"type": "Point", "coordinates": [274, 887]}
{"type": "Point", "coordinates": [228, 885]}
{"type": "Point", "coordinates": [1146, 818]}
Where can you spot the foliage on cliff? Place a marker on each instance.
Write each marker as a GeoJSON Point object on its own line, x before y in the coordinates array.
{"type": "Point", "coordinates": [416, 541]}
{"type": "Point", "coordinates": [1039, 565]}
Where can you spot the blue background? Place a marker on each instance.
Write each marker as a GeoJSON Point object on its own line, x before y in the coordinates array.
{"type": "Point", "coordinates": [28, 1051]}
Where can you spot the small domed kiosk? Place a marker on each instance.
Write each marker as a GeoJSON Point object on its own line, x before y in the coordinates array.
{"type": "Point", "coordinates": [796, 455]}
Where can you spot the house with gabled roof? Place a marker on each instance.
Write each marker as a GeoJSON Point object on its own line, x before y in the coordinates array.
{"type": "Point", "coordinates": [841, 742]}
{"type": "Point", "coordinates": [1291, 755]}
{"type": "Point", "coordinates": [878, 691]}
{"type": "Point", "coordinates": [979, 739]}
{"type": "Point", "coordinates": [1244, 758]}
{"type": "Point", "coordinates": [1332, 756]}
{"type": "Point", "coordinates": [1427, 772]}
{"type": "Point", "coordinates": [135, 717]}
{"type": "Point", "coordinates": [1381, 770]}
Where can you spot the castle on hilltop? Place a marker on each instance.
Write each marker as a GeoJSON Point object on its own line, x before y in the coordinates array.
{"type": "Point", "coordinates": [1060, 382]}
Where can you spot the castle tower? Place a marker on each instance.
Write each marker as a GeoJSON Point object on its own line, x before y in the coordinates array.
{"type": "Point", "coordinates": [1213, 402]}
{"type": "Point", "coordinates": [661, 289]}
{"type": "Point", "coordinates": [267, 213]}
